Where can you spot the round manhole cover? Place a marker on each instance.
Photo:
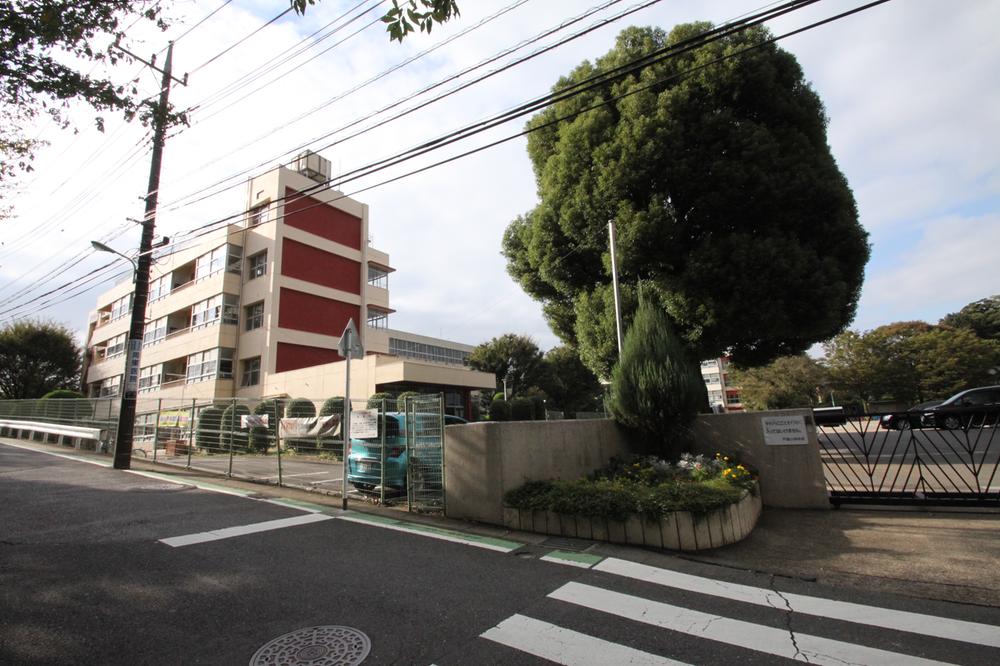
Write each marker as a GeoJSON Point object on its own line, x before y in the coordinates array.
{"type": "Point", "coordinates": [329, 645]}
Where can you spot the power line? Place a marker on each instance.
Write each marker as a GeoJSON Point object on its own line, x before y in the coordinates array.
{"type": "Point", "coordinates": [237, 43]}
{"type": "Point", "coordinates": [199, 23]}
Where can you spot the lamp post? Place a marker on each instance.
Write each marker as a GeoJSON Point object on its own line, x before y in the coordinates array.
{"type": "Point", "coordinates": [101, 247]}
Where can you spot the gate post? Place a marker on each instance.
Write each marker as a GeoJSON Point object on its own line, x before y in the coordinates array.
{"type": "Point", "coordinates": [190, 433]}
{"type": "Point", "coordinates": [156, 426]}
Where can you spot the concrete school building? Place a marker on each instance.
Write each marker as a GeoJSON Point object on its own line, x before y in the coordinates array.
{"type": "Point", "coordinates": [256, 309]}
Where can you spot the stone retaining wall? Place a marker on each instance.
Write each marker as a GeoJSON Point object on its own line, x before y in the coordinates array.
{"type": "Point", "coordinates": [680, 530]}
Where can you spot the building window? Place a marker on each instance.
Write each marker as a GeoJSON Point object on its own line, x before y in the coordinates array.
{"type": "Point", "coordinates": [159, 288]}
{"type": "Point", "coordinates": [150, 377]}
{"type": "Point", "coordinates": [210, 364]}
{"type": "Point", "coordinates": [733, 399]}
{"type": "Point", "coordinates": [378, 319]}
{"type": "Point", "coordinates": [712, 378]}
{"type": "Point", "coordinates": [378, 277]}
{"type": "Point", "coordinates": [426, 352]}
{"type": "Point", "coordinates": [714, 397]}
{"type": "Point", "coordinates": [250, 371]}
{"type": "Point", "coordinates": [257, 265]}
{"type": "Point", "coordinates": [254, 315]}
{"type": "Point", "coordinates": [109, 387]}
{"type": "Point", "coordinates": [121, 308]}
{"type": "Point", "coordinates": [225, 307]}
{"type": "Point", "coordinates": [155, 332]}
{"type": "Point", "coordinates": [225, 256]}
{"type": "Point", "coordinates": [257, 216]}
{"type": "Point", "coordinates": [116, 346]}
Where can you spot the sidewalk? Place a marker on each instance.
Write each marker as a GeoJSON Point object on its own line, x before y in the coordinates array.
{"type": "Point", "coordinates": [929, 554]}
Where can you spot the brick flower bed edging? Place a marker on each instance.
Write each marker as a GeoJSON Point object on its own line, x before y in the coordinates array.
{"type": "Point", "coordinates": [679, 530]}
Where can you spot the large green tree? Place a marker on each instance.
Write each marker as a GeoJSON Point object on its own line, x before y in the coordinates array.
{"type": "Point", "coordinates": [982, 317]}
{"type": "Point", "coordinates": [784, 383]}
{"type": "Point", "coordinates": [568, 383]}
{"type": "Point", "coordinates": [36, 358]}
{"type": "Point", "coordinates": [728, 203]}
{"type": "Point", "coordinates": [910, 362]}
{"type": "Point", "coordinates": [515, 358]}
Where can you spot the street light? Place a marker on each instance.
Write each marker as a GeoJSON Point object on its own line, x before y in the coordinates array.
{"type": "Point", "coordinates": [101, 247]}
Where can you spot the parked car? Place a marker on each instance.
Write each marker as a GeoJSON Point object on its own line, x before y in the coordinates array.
{"type": "Point", "coordinates": [911, 418]}
{"type": "Point", "coordinates": [364, 465]}
{"type": "Point", "coordinates": [969, 409]}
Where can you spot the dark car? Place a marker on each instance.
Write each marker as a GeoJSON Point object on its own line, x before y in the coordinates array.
{"type": "Point", "coordinates": [911, 418]}
{"type": "Point", "coordinates": [973, 408]}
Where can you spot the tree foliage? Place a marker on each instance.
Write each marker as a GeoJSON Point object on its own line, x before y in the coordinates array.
{"type": "Point", "coordinates": [49, 51]}
{"type": "Point", "coordinates": [514, 357]}
{"type": "Point", "coordinates": [727, 200]}
{"type": "Point", "coordinates": [784, 383]}
{"type": "Point", "coordinates": [982, 317]}
{"type": "Point", "coordinates": [656, 388]}
{"type": "Point", "coordinates": [412, 15]}
{"type": "Point", "coordinates": [36, 358]}
{"type": "Point", "coordinates": [910, 362]}
{"type": "Point", "coordinates": [569, 385]}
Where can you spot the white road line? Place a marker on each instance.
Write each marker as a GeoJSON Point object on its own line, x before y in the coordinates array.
{"type": "Point", "coordinates": [769, 640]}
{"type": "Point", "coordinates": [99, 463]}
{"type": "Point", "coordinates": [917, 623]}
{"type": "Point", "coordinates": [286, 476]}
{"type": "Point", "coordinates": [240, 530]}
{"type": "Point", "coordinates": [564, 646]}
{"type": "Point", "coordinates": [429, 534]}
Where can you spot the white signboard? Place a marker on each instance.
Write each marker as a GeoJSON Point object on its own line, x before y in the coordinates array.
{"type": "Point", "coordinates": [784, 430]}
{"type": "Point", "coordinates": [364, 423]}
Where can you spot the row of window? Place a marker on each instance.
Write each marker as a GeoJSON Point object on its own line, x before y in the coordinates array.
{"type": "Point", "coordinates": [202, 366]}
{"type": "Point", "coordinates": [420, 350]}
{"type": "Point", "coordinates": [228, 257]}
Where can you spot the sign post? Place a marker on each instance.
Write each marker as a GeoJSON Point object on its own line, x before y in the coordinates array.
{"type": "Point", "coordinates": [349, 348]}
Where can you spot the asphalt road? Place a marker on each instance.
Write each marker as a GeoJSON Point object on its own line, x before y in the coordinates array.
{"type": "Point", "coordinates": [107, 567]}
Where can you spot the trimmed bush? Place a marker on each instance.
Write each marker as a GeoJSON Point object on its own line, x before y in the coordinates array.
{"type": "Point", "coordinates": [521, 409]}
{"type": "Point", "coordinates": [656, 388]}
{"type": "Point", "coordinates": [375, 401]}
{"type": "Point", "coordinates": [262, 438]}
{"type": "Point", "coordinates": [500, 410]}
{"type": "Point", "coordinates": [232, 436]}
{"type": "Point", "coordinates": [300, 408]}
{"type": "Point", "coordinates": [402, 398]}
{"type": "Point", "coordinates": [207, 430]}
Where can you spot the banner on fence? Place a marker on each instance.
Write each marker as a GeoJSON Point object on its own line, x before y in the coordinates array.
{"type": "Point", "coordinates": [177, 418]}
{"type": "Point", "coordinates": [309, 427]}
{"type": "Point", "coordinates": [254, 421]}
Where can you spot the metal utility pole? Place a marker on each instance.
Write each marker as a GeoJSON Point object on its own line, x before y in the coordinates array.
{"type": "Point", "coordinates": [614, 281]}
{"type": "Point", "coordinates": [126, 416]}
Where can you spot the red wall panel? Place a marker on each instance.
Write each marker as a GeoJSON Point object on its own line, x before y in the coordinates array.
{"type": "Point", "coordinates": [311, 264]}
{"type": "Point", "coordinates": [293, 357]}
{"type": "Point", "coordinates": [300, 311]}
{"type": "Point", "coordinates": [304, 212]}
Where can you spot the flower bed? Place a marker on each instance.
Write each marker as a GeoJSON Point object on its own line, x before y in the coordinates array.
{"type": "Point", "coordinates": [694, 504]}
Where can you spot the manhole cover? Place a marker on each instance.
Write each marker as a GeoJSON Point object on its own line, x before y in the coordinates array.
{"type": "Point", "coordinates": [315, 646]}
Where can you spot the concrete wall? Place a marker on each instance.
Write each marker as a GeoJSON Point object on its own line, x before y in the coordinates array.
{"type": "Point", "coordinates": [790, 476]}
{"type": "Point", "coordinates": [485, 460]}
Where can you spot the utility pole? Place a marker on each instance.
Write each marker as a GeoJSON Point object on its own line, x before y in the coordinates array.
{"type": "Point", "coordinates": [614, 281]}
{"type": "Point", "coordinates": [126, 415]}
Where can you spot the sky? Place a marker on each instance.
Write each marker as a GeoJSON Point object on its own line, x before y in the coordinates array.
{"type": "Point", "coordinates": [910, 88]}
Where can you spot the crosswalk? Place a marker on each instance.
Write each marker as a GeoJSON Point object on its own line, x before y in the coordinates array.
{"type": "Point", "coordinates": [658, 616]}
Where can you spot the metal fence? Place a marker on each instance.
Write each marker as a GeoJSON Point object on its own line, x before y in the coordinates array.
{"type": "Point", "coordinates": [901, 458]}
{"type": "Point", "coordinates": [396, 455]}
{"type": "Point", "coordinates": [98, 413]}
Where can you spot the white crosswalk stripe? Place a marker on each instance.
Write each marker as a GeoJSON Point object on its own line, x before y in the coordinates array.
{"type": "Point", "coordinates": [927, 625]}
{"type": "Point", "coordinates": [565, 645]}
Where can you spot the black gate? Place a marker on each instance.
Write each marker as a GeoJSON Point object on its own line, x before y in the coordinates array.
{"type": "Point", "coordinates": [905, 458]}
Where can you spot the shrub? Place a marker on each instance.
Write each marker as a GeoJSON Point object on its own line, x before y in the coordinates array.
{"type": "Point", "coordinates": [209, 425]}
{"type": "Point", "coordinates": [375, 401]}
{"type": "Point", "coordinates": [261, 437]}
{"type": "Point", "coordinates": [300, 408]}
{"type": "Point", "coordinates": [656, 387]}
{"type": "Point", "coordinates": [521, 409]}
{"type": "Point", "coordinates": [402, 398]}
{"type": "Point", "coordinates": [500, 410]}
{"type": "Point", "coordinates": [538, 408]}
{"type": "Point", "coordinates": [232, 437]}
